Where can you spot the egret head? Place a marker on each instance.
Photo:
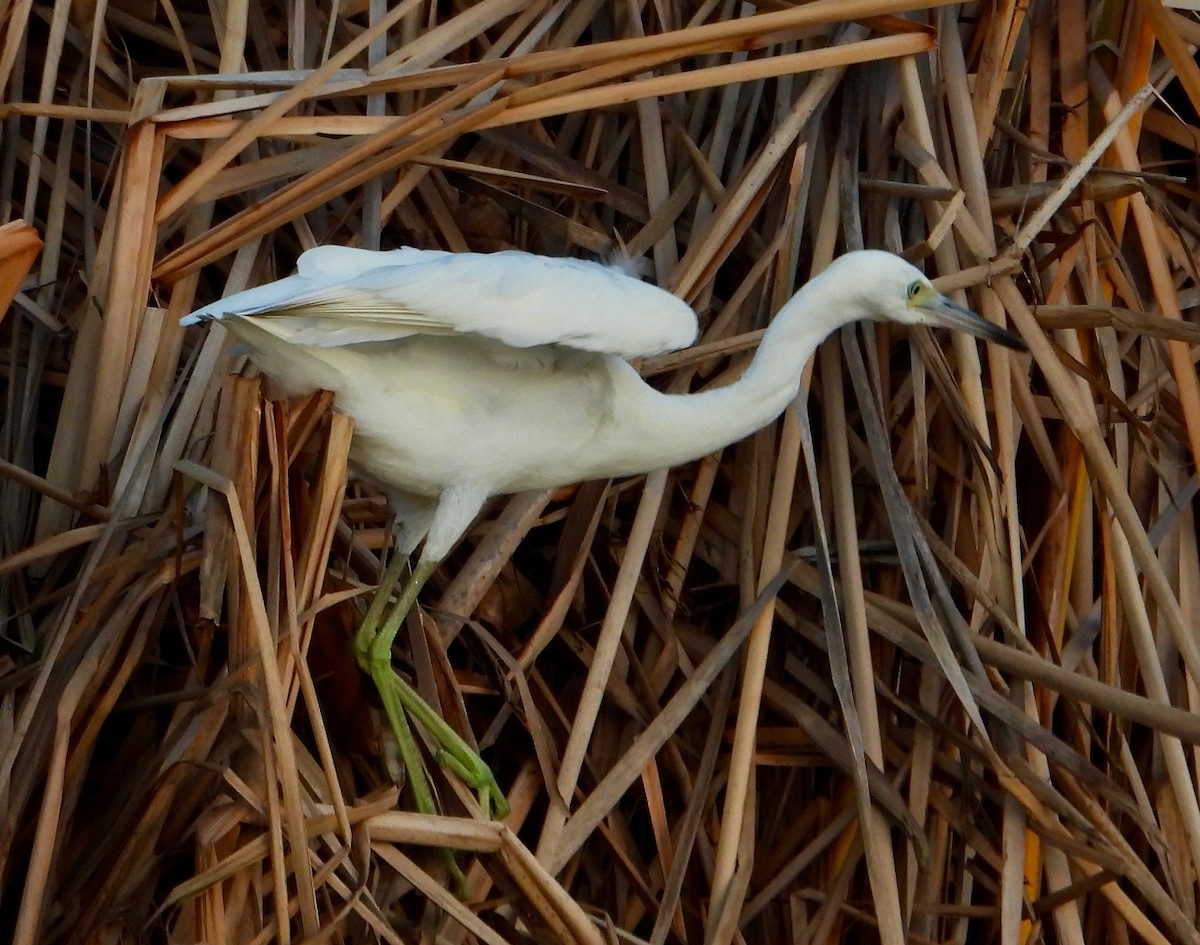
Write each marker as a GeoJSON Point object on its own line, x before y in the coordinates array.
{"type": "Point", "coordinates": [897, 291]}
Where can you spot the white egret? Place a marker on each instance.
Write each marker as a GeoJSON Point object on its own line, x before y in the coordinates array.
{"type": "Point", "coordinates": [473, 375]}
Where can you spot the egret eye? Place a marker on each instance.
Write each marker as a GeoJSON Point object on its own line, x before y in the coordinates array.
{"type": "Point", "coordinates": [914, 289]}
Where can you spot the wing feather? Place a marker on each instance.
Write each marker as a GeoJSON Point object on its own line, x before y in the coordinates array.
{"type": "Point", "coordinates": [343, 296]}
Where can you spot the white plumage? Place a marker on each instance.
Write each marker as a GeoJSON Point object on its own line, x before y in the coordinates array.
{"type": "Point", "coordinates": [342, 296]}
{"type": "Point", "coordinates": [474, 375]}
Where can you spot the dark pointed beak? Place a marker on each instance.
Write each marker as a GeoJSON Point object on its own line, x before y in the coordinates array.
{"type": "Point", "coordinates": [949, 314]}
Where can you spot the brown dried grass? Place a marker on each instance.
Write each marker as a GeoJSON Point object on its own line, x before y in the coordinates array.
{"type": "Point", "coordinates": [990, 735]}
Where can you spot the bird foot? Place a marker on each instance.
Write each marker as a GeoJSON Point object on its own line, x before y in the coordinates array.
{"type": "Point", "coordinates": [373, 650]}
{"type": "Point", "coordinates": [476, 774]}
{"type": "Point", "coordinates": [400, 701]}
{"type": "Point", "coordinates": [391, 687]}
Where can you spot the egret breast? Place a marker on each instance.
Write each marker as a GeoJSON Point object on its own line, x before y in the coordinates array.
{"type": "Point", "coordinates": [431, 411]}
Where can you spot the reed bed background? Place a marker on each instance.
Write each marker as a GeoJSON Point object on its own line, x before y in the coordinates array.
{"type": "Point", "coordinates": [991, 734]}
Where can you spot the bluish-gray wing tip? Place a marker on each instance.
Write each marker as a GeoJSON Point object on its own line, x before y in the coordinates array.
{"type": "Point", "coordinates": [201, 315]}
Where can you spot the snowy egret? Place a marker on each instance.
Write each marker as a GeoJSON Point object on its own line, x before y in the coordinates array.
{"type": "Point", "coordinates": [472, 375]}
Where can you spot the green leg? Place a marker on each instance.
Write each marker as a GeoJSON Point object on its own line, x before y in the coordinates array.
{"type": "Point", "coordinates": [390, 686]}
{"type": "Point", "coordinates": [368, 629]}
{"type": "Point", "coordinates": [373, 649]}
{"type": "Point", "coordinates": [455, 753]}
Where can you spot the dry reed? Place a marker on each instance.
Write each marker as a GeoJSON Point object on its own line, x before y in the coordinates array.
{"type": "Point", "coordinates": [988, 732]}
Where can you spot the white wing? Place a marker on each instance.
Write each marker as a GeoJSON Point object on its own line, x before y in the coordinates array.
{"type": "Point", "coordinates": [342, 296]}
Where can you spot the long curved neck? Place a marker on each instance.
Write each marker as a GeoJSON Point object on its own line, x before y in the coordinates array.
{"type": "Point", "coordinates": [688, 426]}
